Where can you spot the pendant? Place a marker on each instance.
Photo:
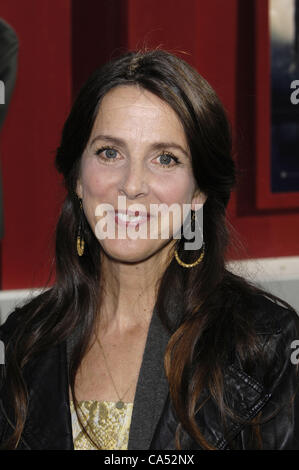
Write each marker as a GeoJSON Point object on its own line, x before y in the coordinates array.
{"type": "Point", "coordinates": [120, 404]}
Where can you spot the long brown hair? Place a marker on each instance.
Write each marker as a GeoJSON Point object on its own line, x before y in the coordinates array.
{"type": "Point", "coordinates": [214, 318]}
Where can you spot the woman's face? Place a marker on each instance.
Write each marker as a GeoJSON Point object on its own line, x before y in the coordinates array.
{"type": "Point", "coordinates": [138, 150]}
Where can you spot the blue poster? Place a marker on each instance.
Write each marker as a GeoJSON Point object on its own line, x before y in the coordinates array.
{"type": "Point", "coordinates": [284, 28]}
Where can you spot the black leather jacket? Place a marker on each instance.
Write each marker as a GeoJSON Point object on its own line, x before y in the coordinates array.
{"type": "Point", "coordinates": [48, 424]}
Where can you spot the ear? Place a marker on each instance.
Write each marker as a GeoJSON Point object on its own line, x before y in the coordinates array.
{"type": "Point", "coordinates": [199, 198]}
{"type": "Point", "coordinates": [79, 189]}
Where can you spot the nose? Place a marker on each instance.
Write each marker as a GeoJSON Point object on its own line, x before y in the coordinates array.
{"type": "Point", "coordinates": [134, 183]}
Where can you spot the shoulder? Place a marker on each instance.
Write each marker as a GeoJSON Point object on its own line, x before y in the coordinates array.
{"type": "Point", "coordinates": [262, 332]}
{"type": "Point", "coordinates": [21, 316]}
{"type": "Point", "coordinates": [274, 323]}
{"type": "Point", "coordinates": [264, 312]}
{"type": "Point", "coordinates": [276, 333]}
{"type": "Point", "coordinates": [11, 323]}
{"type": "Point", "coordinates": [272, 316]}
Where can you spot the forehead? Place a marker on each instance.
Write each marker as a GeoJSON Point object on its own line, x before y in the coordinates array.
{"type": "Point", "coordinates": [133, 109]}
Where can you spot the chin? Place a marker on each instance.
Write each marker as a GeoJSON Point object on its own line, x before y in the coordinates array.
{"type": "Point", "coordinates": [128, 251]}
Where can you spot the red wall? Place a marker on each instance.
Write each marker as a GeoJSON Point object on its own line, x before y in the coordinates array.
{"type": "Point", "coordinates": [41, 100]}
{"type": "Point", "coordinates": [61, 42]}
{"type": "Point", "coordinates": [226, 40]}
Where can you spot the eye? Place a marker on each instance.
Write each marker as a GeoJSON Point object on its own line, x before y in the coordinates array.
{"type": "Point", "coordinates": [107, 153]}
{"type": "Point", "coordinates": [166, 158]}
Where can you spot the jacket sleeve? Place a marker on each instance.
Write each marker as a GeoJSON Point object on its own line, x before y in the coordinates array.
{"type": "Point", "coordinates": [279, 419]}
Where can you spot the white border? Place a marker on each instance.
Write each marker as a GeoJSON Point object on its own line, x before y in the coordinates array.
{"type": "Point", "coordinates": [283, 268]}
{"type": "Point", "coordinates": [259, 270]}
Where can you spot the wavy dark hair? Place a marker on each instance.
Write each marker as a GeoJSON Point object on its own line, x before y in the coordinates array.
{"type": "Point", "coordinates": [213, 320]}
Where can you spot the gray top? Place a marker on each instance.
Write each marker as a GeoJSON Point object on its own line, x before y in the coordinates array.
{"type": "Point", "coordinates": [152, 387]}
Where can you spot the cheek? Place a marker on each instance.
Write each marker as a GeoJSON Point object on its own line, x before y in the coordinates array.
{"type": "Point", "coordinates": [175, 188]}
{"type": "Point", "coordinates": [96, 188]}
{"type": "Point", "coordinates": [97, 182]}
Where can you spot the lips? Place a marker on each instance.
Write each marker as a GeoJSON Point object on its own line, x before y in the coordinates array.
{"type": "Point", "coordinates": [131, 217]}
{"type": "Point", "coordinates": [136, 213]}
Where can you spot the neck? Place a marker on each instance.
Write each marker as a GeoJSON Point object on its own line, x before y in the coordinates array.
{"type": "Point", "coordinates": [129, 291]}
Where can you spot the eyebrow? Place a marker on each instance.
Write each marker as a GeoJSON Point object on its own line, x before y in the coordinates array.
{"type": "Point", "coordinates": [156, 146]}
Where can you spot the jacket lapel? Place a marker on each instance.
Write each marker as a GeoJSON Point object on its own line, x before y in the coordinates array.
{"type": "Point", "coordinates": [246, 397]}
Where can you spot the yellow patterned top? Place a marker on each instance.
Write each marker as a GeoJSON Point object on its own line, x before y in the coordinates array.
{"type": "Point", "coordinates": [107, 425]}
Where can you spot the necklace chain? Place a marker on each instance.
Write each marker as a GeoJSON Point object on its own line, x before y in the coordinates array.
{"type": "Point", "coordinates": [120, 403]}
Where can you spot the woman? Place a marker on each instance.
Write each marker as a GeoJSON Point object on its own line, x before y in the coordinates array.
{"type": "Point", "coordinates": [142, 343]}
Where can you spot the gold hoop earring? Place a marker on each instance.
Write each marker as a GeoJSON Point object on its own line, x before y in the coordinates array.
{"type": "Point", "coordinates": [80, 239]}
{"type": "Point", "coordinates": [199, 260]}
{"type": "Point", "coordinates": [190, 265]}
